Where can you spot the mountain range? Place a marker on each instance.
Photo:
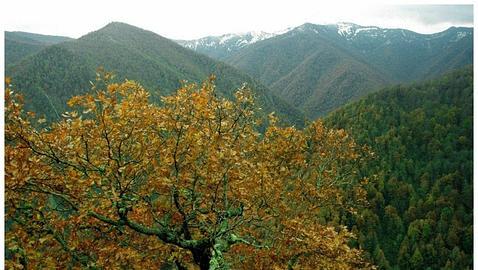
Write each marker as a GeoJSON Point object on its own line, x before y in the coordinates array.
{"type": "Point", "coordinates": [310, 68]}
{"type": "Point", "coordinates": [318, 68]}
{"type": "Point", "coordinates": [56, 73]}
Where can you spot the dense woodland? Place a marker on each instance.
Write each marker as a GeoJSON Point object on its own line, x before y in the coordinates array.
{"type": "Point", "coordinates": [19, 45]}
{"type": "Point", "coordinates": [421, 198]}
{"type": "Point", "coordinates": [49, 78]}
{"type": "Point", "coordinates": [101, 173]}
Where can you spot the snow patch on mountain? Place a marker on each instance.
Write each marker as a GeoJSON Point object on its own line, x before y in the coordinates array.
{"type": "Point", "coordinates": [345, 29]}
{"type": "Point", "coordinates": [460, 35]}
{"type": "Point", "coordinates": [366, 29]}
{"type": "Point", "coordinates": [350, 30]}
{"type": "Point", "coordinates": [221, 46]}
{"type": "Point", "coordinates": [225, 38]}
{"type": "Point", "coordinates": [230, 41]}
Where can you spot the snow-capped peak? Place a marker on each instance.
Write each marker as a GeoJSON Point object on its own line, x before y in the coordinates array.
{"type": "Point", "coordinates": [351, 30]}
{"type": "Point", "coordinates": [259, 35]}
{"type": "Point", "coordinates": [230, 42]}
{"type": "Point", "coordinates": [460, 35]}
{"type": "Point", "coordinates": [224, 38]}
{"type": "Point", "coordinates": [345, 29]}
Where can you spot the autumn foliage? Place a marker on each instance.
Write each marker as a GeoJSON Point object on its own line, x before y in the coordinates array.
{"type": "Point", "coordinates": [121, 183]}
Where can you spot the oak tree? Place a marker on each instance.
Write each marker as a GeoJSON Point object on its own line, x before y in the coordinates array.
{"type": "Point", "coordinates": [123, 183]}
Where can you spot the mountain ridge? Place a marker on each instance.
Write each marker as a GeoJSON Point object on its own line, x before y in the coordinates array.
{"type": "Point", "coordinates": [19, 44]}
{"type": "Point", "coordinates": [381, 57]}
{"type": "Point", "coordinates": [221, 46]}
{"type": "Point", "coordinates": [345, 29]}
{"type": "Point", "coordinates": [317, 68]}
{"type": "Point", "coordinates": [137, 54]}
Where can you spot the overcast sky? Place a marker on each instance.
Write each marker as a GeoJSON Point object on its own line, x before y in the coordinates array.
{"type": "Point", "coordinates": [180, 19]}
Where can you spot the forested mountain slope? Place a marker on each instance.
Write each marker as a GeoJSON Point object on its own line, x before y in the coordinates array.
{"type": "Point", "coordinates": [421, 195]}
{"type": "Point", "coordinates": [308, 71]}
{"type": "Point", "coordinates": [58, 72]}
{"type": "Point", "coordinates": [18, 45]}
{"type": "Point", "coordinates": [401, 54]}
{"type": "Point", "coordinates": [321, 67]}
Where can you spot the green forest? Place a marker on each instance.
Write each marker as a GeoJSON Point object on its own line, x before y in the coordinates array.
{"type": "Point", "coordinates": [55, 74]}
{"type": "Point", "coordinates": [421, 196]}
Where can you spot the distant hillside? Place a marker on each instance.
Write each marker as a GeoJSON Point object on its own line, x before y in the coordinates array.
{"type": "Point", "coordinates": [56, 73]}
{"type": "Point", "coordinates": [321, 67]}
{"type": "Point", "coordinates": [309, 71]}
{"type": "Point", "coordinates": [18, 45]}
{"type": "Point", "coordinates": [402, 54]}
{"type": "Point", "coordinates": [421, 191]}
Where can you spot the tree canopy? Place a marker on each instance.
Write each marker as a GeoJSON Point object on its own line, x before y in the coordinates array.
{"type": "Point", "coordinates": [122, 183]}
{"type": "Point", "coordinates": [421, 196]}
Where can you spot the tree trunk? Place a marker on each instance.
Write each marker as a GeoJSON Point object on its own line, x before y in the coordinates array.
{"type": "Point", "coordinates": [202, 257]}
